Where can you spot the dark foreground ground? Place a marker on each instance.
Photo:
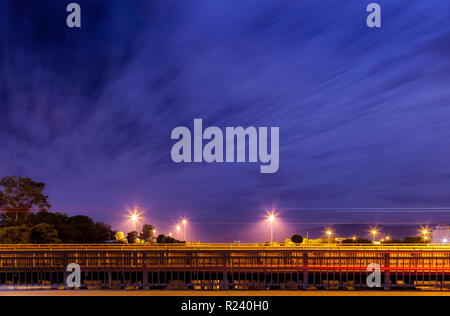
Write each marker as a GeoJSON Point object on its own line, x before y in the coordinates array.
{"type": "Point", "coordinates": [220, 293]}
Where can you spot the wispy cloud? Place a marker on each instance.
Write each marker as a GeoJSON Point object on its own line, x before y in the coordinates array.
{"type": "Point", "coordinates": [362, 113]}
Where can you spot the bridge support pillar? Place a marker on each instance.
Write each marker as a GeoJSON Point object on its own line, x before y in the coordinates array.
{"type": "Point", "coordinates": [387, 272]}
{"type": "Point", "coordinates": [305, 271]}
{"type": "Point", "coordinates": [224, 283]}
{"type": "Point", "coordinates": [144, 272]}
{"type": "Point", "coordinates": [109, 285]}
{"type": "Point", "coordinates": [65, 264]}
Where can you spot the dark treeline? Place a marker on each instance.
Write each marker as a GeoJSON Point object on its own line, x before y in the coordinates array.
{"type": "Point", "coordinates": [45, 228]}
{"type": "Point", "coordinates": [147, 236]}
{"type": "Point", "coordinates": [25, 219]}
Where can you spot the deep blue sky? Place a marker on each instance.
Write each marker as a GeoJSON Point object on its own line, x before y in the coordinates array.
{"type": "Point", "coordinates": [364, 114]}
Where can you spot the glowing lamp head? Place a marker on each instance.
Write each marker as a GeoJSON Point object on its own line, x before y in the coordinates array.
{"type": "Point", "coordinates": [374, 232]}
{"type": "Point", "coordinates": [329, 233]}
{"type": "Point", "coordinates": [178, 227]}
{"type": "Point", "coordinates": [425, 232]}
{"type": "Point", "coordinates": [184, 221]}
{"type": "Point", "coordinates": [134, 218]}
{"type": "Point", "coordinates": [271, 218]}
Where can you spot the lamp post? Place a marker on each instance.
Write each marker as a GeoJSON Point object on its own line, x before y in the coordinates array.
{"type": "Point", "coordinates": [425, 233]}
{"type": "Point", "coordinates": [184, 229]}
{"type": "Point", "coordinates": [134, 218]}
{"type": "Point", "coordinates": [178, 228]}
{"type": "Point", "coordinates": [374, 233]}
{"type": "Point", "coordinates": [329, 234]}
{"type": "Point", "coordinates": [271, 217]}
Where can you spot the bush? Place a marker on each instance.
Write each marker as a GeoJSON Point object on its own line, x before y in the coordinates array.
{"type": "Point", "coordinates": [161, 239]}
{"type": "Point", "coordinates": [357, 241]}
{"type": "Point", "coordinates": [15, 235]}
{"type": "Point", "coordinates": [38, 234]}
{"type": "Point", "coordinates": [77, 229]}
{"type": "Point", "coordinates": [297, 239]}
{"type": "Point", "coordinates": [44, 234]}
{"type": "Point", "coordinates": [132, 237]}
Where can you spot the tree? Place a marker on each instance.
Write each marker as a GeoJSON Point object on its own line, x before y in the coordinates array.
{"type": "Point", "coordinates": [44, 234]}
{"type": "Point", "coordinates": [162, 239]}
{"type": "Point", "coordinates": [132, 237]}
{"type": "Point", "coordinates": [18, 196]}
{"type": "Point", "coordinates": [297, 239]}
{"type": "Point", "coordinates": [120, 238]}
{"type": "Point", "coordinates": [103, 233]}
{"type": "Point", "coordinates": [76, 229]}
{"type": "Point", "coordinates": [83, 229]}
{"type": "Point", "coordinates": [147, 234]}
{"type": "Point", "coordinates": [60, 222]}
{"type": "Point", "coordinates": [15, 235]}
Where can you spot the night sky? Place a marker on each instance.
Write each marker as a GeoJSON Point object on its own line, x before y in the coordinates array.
{"type": "Point", "coordinates": [364, 114]}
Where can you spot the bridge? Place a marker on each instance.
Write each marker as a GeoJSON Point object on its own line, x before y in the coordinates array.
{"type": "Point", "coordinates": [225, 266]}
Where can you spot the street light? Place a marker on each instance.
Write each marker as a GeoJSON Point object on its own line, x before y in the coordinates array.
{"type": "Point", "coordinates": [184, 228]}
{"type": "Point", "coordinates": [329, 234]}
{"type": "Point", "coordinates": [271, 217]}
{"type": "Point", "coordinates": [425, 233]}
{"type": "Point", "coordinates": [135, 217]}
{"type": "Point", "coordinates": [374, 232]}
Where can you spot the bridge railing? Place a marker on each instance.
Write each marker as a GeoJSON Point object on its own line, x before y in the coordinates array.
{"type": "Point", "coordinates": [216, 266]}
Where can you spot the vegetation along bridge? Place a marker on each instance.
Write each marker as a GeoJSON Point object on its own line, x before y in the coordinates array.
{"type": "Point", "coordinates": [225, 266]}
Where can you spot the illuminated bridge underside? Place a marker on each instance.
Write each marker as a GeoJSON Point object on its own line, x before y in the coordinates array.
{"type": "Point", "coordinates": [224, 267]}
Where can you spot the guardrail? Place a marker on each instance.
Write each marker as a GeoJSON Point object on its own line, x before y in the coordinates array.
{"type": "Point", "coordinates": [225, 246]}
